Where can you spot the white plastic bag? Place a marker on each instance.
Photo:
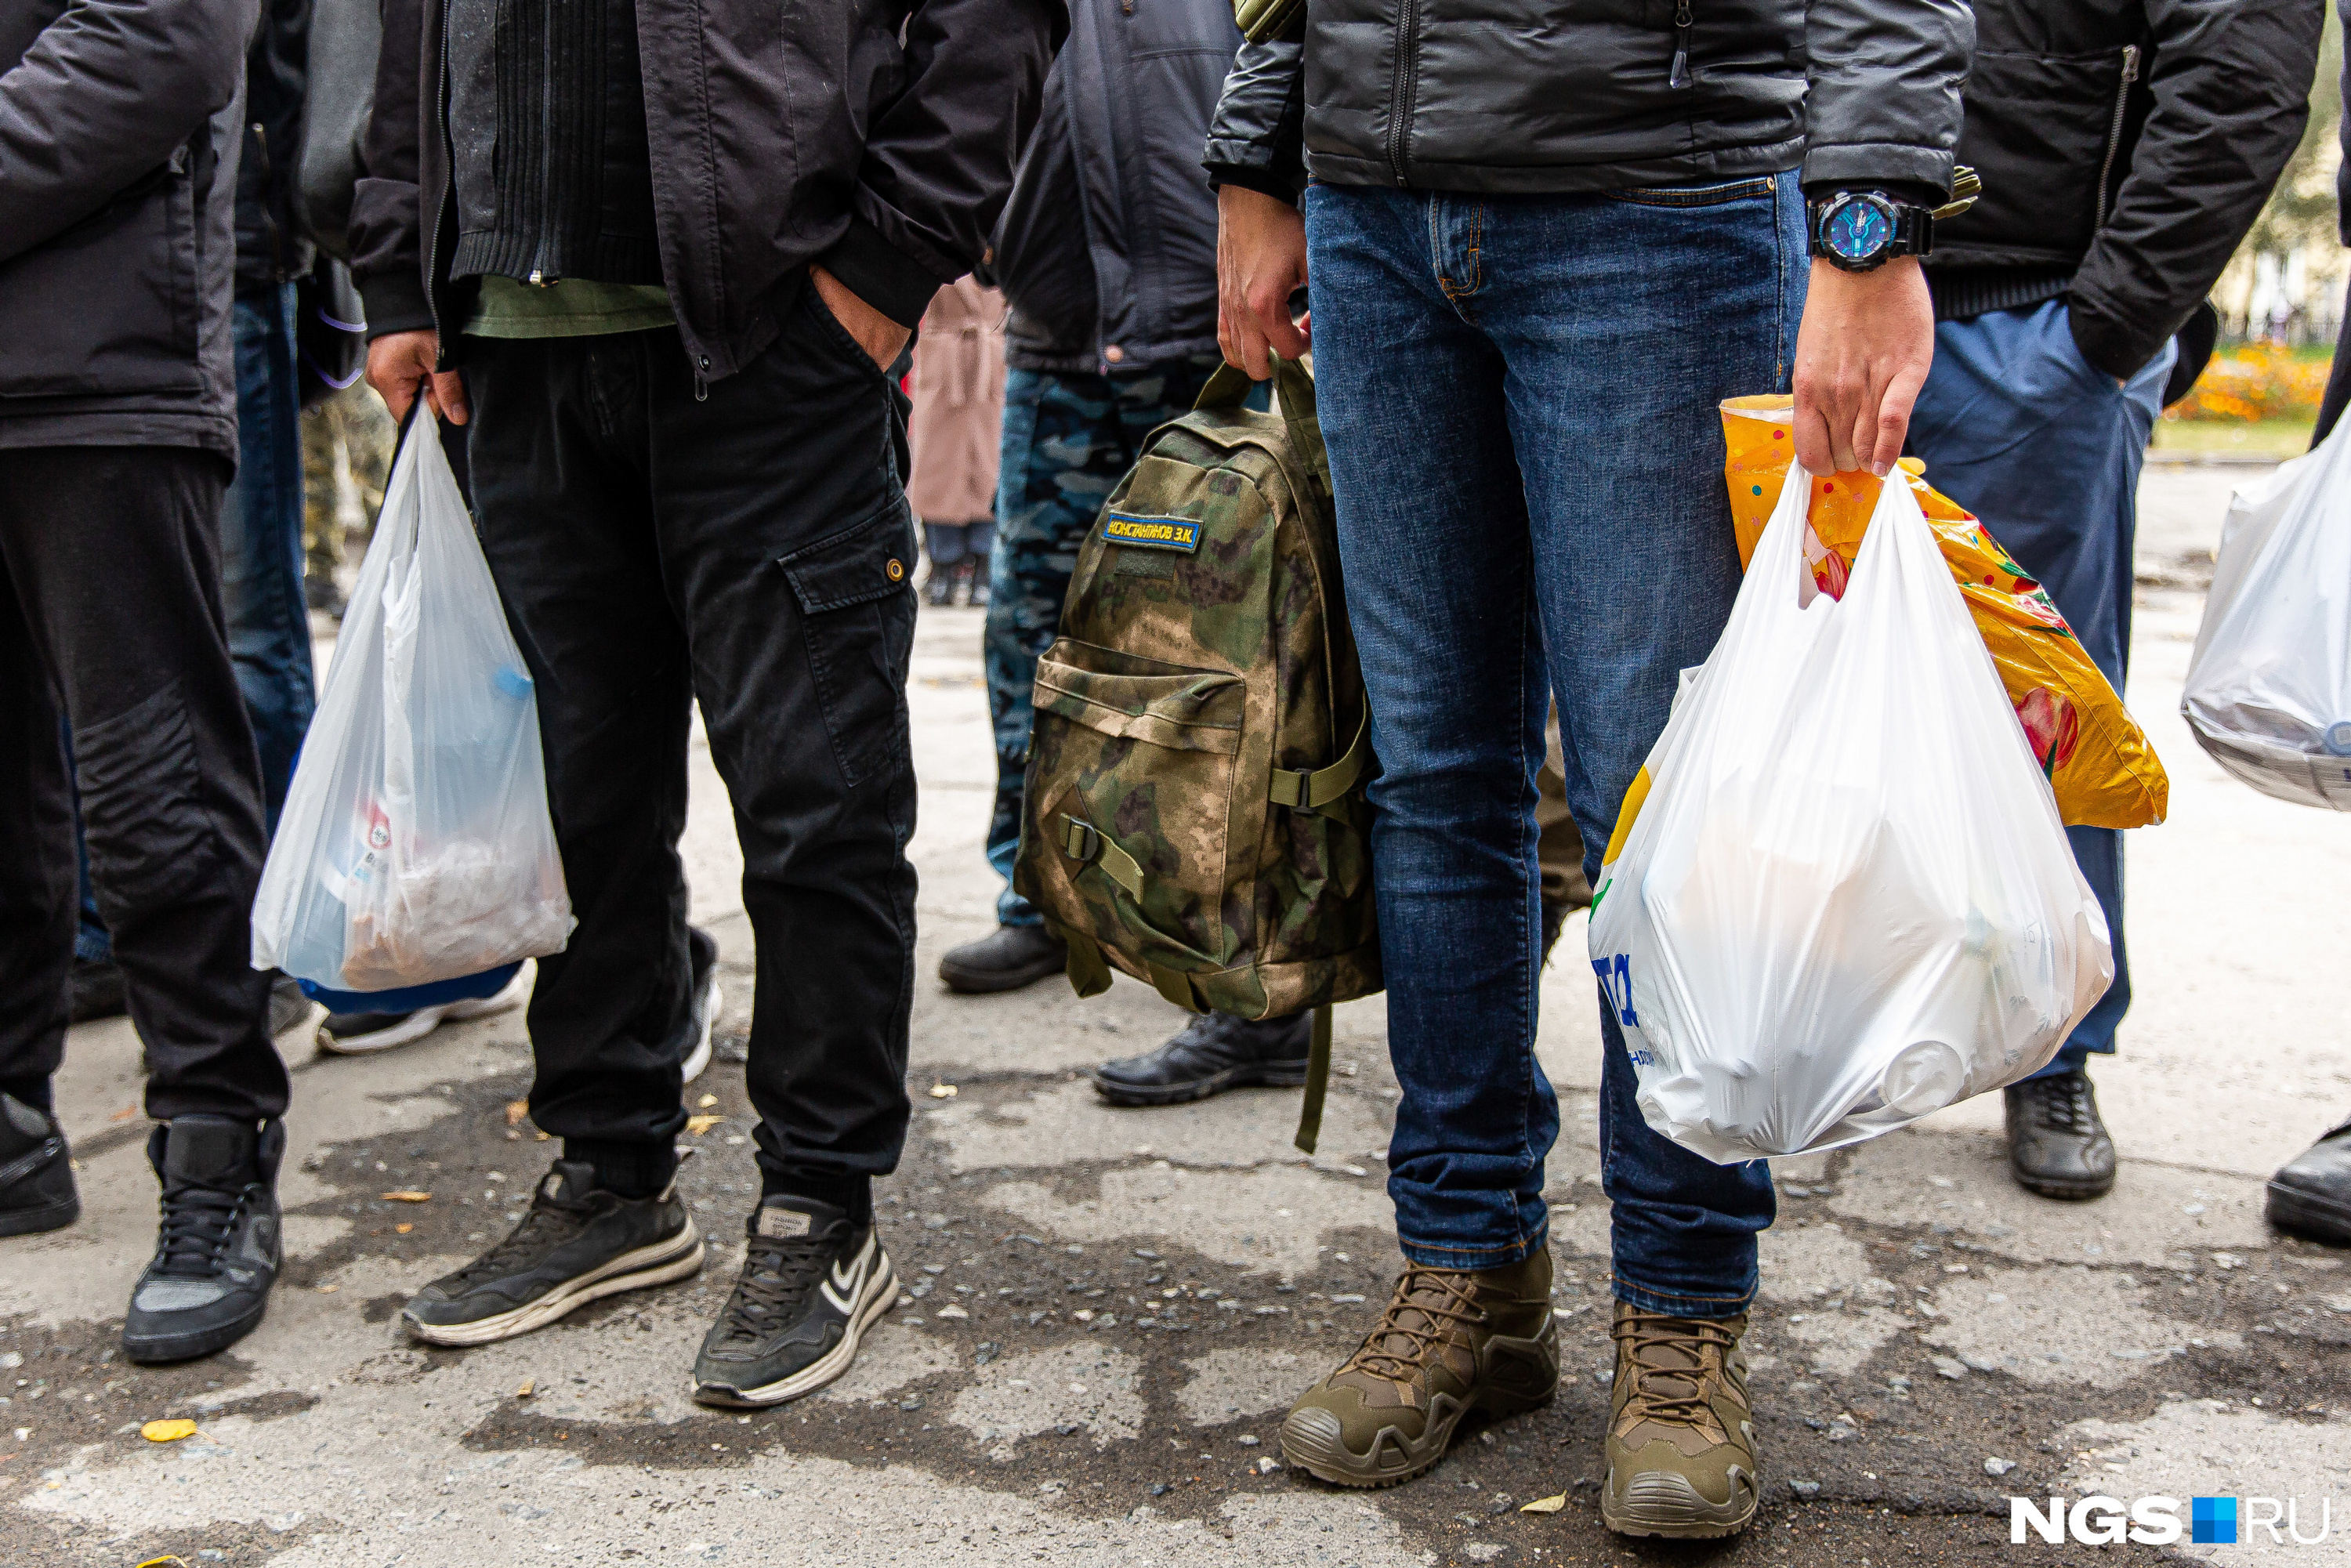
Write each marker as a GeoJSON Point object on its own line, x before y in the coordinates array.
{"type": "Point", "coordinates": [2269, 686]}
{"type": "Point", "coordinates": [1845, 899]}
{"type": "Point", "coordinates": [415, 844]}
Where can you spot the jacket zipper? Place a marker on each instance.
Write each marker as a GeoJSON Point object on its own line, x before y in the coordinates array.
{"type": "Point", "coordinates": [1679, 78]}
{"type": "Point", "coordinates": [269, 218]}
{"type": "Point", "coordinates": [2115, 134]}
{"type": "Point", "coordinates": [1400, 91]}
{"type": "Point", "coordinates": [449, 178]}
{"type": "Point", "coordinates": [538, 268]}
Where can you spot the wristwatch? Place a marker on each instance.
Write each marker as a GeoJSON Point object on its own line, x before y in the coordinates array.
{"type": "Point", "coordinates": [1861, 231]}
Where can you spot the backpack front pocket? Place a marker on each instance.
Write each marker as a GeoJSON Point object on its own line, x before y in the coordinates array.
{"type": "Point", "coordinates": [1146, 753]}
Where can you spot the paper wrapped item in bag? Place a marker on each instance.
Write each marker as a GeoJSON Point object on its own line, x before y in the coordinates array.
{"type": "Point", "coordinates": [2094, 753]}
{"type": "Point", "coordinates": [1838, 896]}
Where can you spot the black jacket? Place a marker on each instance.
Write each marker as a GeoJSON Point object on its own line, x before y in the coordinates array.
{"type": "Point", "coordinates": [877, 137]}
{"type": "Point", "coordinates": [1107, 249]}
{"type": "Point", "coordinates": [1580, 95]}
{"type": "Point", "coordinates": [118, 131]}
{"type": "Point", "coordinates": [2125, 146]}
{"type": "Point", "coordinates": [270, 245]}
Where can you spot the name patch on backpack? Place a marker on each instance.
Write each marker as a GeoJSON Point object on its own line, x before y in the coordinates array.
{"type": "Point", "coordinates": [1156, 533]}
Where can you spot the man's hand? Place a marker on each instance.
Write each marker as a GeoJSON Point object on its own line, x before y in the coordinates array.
{"type": "Point", "coordinates": [880, 338]}
{"type": "Point", "coordinates": [1261, 260]}
{"type": "Point", "coordinates": [1862, 354]}
{"type": "Point", "coordinates": [398, 363]}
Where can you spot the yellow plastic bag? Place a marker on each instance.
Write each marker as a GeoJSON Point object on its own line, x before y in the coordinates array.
{"type": "Point", "coordinates": [2096, 757]}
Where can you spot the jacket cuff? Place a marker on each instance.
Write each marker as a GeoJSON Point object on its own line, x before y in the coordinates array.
{"type": "Point", "coordinates": [1253, 177]}
{"type": "Point", "coordinates": [880, 273]}
{"type": "Point", "coordinates": [2118, 350]}
{"type": "Point", "coordinates": [1865, 165]}
{"type": "Point", "coordinates": [395, 303]}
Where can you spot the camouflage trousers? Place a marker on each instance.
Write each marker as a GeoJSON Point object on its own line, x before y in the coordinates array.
{"type": "Point", "coordinates": [347, 433]}
{"type": "Point", "coordinates": [1069, 439]}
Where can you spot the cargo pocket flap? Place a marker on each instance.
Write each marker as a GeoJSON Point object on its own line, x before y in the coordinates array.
{"type": "Point", "coordinates": [1196, 710]}
{"type": "Point", "coordinates": [864, 561]}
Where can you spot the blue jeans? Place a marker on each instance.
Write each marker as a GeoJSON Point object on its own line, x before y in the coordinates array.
{"type": "Point", "coordinates": [1518, 397]}
{"type": "Point", "coordinates": [2021, 430]}
{"type": "Point", "coordinates": [261, 564]}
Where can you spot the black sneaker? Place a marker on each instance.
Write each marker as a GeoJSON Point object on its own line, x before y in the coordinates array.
{"type": "Point", "coordinates": [2057, 1144]}
{"type": "Point", "coordinates": [1214, 1053]}
{"type": "Point", "coordinates": [218, 1254]}
{"type": "Point", "coordinates": [288, 1007]}
{"type": "Point", "coordinates": [579, 1243]}
{"type": "Point", "coordinates": [813, 1281]}
{"type": "Point", "coordinates": [361, 1034]}
{"type": "Point", "coordinates": [37, 1183]}
{"type": "Point", "coordinates": [702, 950]}
{"type": "Point", "coordinates": [1006, 959]}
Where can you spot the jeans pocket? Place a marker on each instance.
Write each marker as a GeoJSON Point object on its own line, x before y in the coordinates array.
{"type": "Point", "coordinates": [857, 619]}
{"type": "Point", "coordinates": [151, 839]}
{"type": "Point", "coordinates": [1718, 194]}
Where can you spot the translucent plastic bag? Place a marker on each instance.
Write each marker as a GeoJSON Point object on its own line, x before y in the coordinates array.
{"type": "Point", "coordinates": [415, 844]}
{"type": "Point", "coordinates": [2269, 686]}
{"type": "Point", "coordinates": [1838, 896]}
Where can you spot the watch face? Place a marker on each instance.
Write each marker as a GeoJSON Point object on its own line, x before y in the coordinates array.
{"type": "Point", "coordinates": [1857, 229]}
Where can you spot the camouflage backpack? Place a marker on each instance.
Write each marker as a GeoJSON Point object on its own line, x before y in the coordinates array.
{"type": "Point", "coordinates": [1194, 810]}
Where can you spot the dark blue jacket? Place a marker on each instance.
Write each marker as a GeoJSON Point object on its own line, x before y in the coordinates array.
{"type": "Point", "coordinates": [1107, 249]}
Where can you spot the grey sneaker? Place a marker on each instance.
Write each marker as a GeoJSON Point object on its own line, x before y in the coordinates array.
{"type": "Point", "coordinates": [216, 1255]}
{"type": "Point", "coordinates": [813, 1280]}
{"type": "Point", "coordinates": [578, 1244]}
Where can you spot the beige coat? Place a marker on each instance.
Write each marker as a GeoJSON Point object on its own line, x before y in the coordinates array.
{"type": "Point", "coordinates": [958, 418]}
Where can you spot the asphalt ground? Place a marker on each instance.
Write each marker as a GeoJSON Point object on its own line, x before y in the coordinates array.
{"type": "Point", "coordinates": [1107, 1311]}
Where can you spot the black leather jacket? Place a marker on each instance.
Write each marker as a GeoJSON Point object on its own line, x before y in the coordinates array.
{"type": "Point", "coordinates": [1108, 249]}
{"type": "Point", "coordinates": [1584, 95]}
{"type": "Point", "coordinates": [2126, 147]}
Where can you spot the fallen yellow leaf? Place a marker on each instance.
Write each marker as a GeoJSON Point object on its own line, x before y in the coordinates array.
{"type": "Point", "coordinates": [515, 1111]}
{"type": "Point", "coordinates": [124, 1115]}
{"type": "Point", "coordinates": [707, 1101]}
{"type": "Point", "coordinates": [943, 1091]}
{"type": "Point", "coordinates": [697, 1125]}
{"type": "Point", "coordinates": [328, 1290]}
{"type": "Point", "coordinates": [528, 1383]}
{"type": "Point", "coordinates": [406, 1195]}
{"type": "Point", "coordinates": [544, 1136]}
{"type": "Point", "coordinates": [165, 1563]}
{"type": "Point", "coordinates": [168, 1431]}
{"type": "Point", "coordinates": [403, 1228]}
{"type": "Point", "coordinates": [1546, 1504]}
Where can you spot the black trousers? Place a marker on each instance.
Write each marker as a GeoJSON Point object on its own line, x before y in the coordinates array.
{"type": "Point", "coordinates": [750, 550]}
{"type": "Point", "coordinates": [111, 610]}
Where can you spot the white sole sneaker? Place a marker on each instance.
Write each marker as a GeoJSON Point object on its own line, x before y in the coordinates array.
{"type": "Point", "coordinates": [425, 1020]}
{"type": "Point", "coordinates": [675, 1259]}
{"type": "Point", "coordinates": [881, 1294]}
{"type": "Point", "coordinates": [697, 1060]}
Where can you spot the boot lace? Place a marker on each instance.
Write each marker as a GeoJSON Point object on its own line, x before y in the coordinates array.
{"type": "Point", "coordinates": [2062, 1103]}
{"type": "Point", "coordinates": [778, 1274]}
{"type": "Point", "coordinates": [1428, 1306]}
{"type": "Point", "coordinates": [197, 1223]}
{"type": "Point", "coordinates": [1670, 1359]}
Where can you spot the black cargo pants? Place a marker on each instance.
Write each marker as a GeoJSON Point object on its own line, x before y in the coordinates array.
{"type": "Point", "coordinates": [111, 611]}
{"type": "Point", "coordinates": [749, 550]}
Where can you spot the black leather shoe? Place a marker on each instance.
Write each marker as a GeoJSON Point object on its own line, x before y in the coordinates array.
{"type": "Point", "coordinates": [2056, 1145]}
{"type": "Point", "coordinates": [37, 1183]}
{"type": "Point", "coordinates": [218, 1254]}
{"type": "Point", "coordinates": [1005, 959]}
{"type": "Point", "coordinates": [1214, 1053]}
{"type": "Point", "coordinates": [2311, 1194]}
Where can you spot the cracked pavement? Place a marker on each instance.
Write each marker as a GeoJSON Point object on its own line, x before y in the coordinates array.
{"type": "Point", "coordinates": [1105, 1312]}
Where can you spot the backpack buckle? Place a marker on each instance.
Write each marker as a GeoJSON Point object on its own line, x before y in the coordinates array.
{"type": "Point", "coordinates": [1080, 842]}
{"type": "Point", "coordinates": [1305, 802]}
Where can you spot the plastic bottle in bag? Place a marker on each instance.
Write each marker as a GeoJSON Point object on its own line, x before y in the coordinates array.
{"type": "Point", "coordinates": [415, 844]}
{"type": "Point", "coordinates": [1838, 896]}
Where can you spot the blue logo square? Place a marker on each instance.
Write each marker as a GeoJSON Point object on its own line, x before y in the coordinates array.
{"type": "Point", "coordinates": [2212, 1521]}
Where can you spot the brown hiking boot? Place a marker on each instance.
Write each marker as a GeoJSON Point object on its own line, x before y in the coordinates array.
{"type": "Point", "coordinates": [1450, 1342]}
{"type": "Point", "coordinates": [1681, 1440]}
